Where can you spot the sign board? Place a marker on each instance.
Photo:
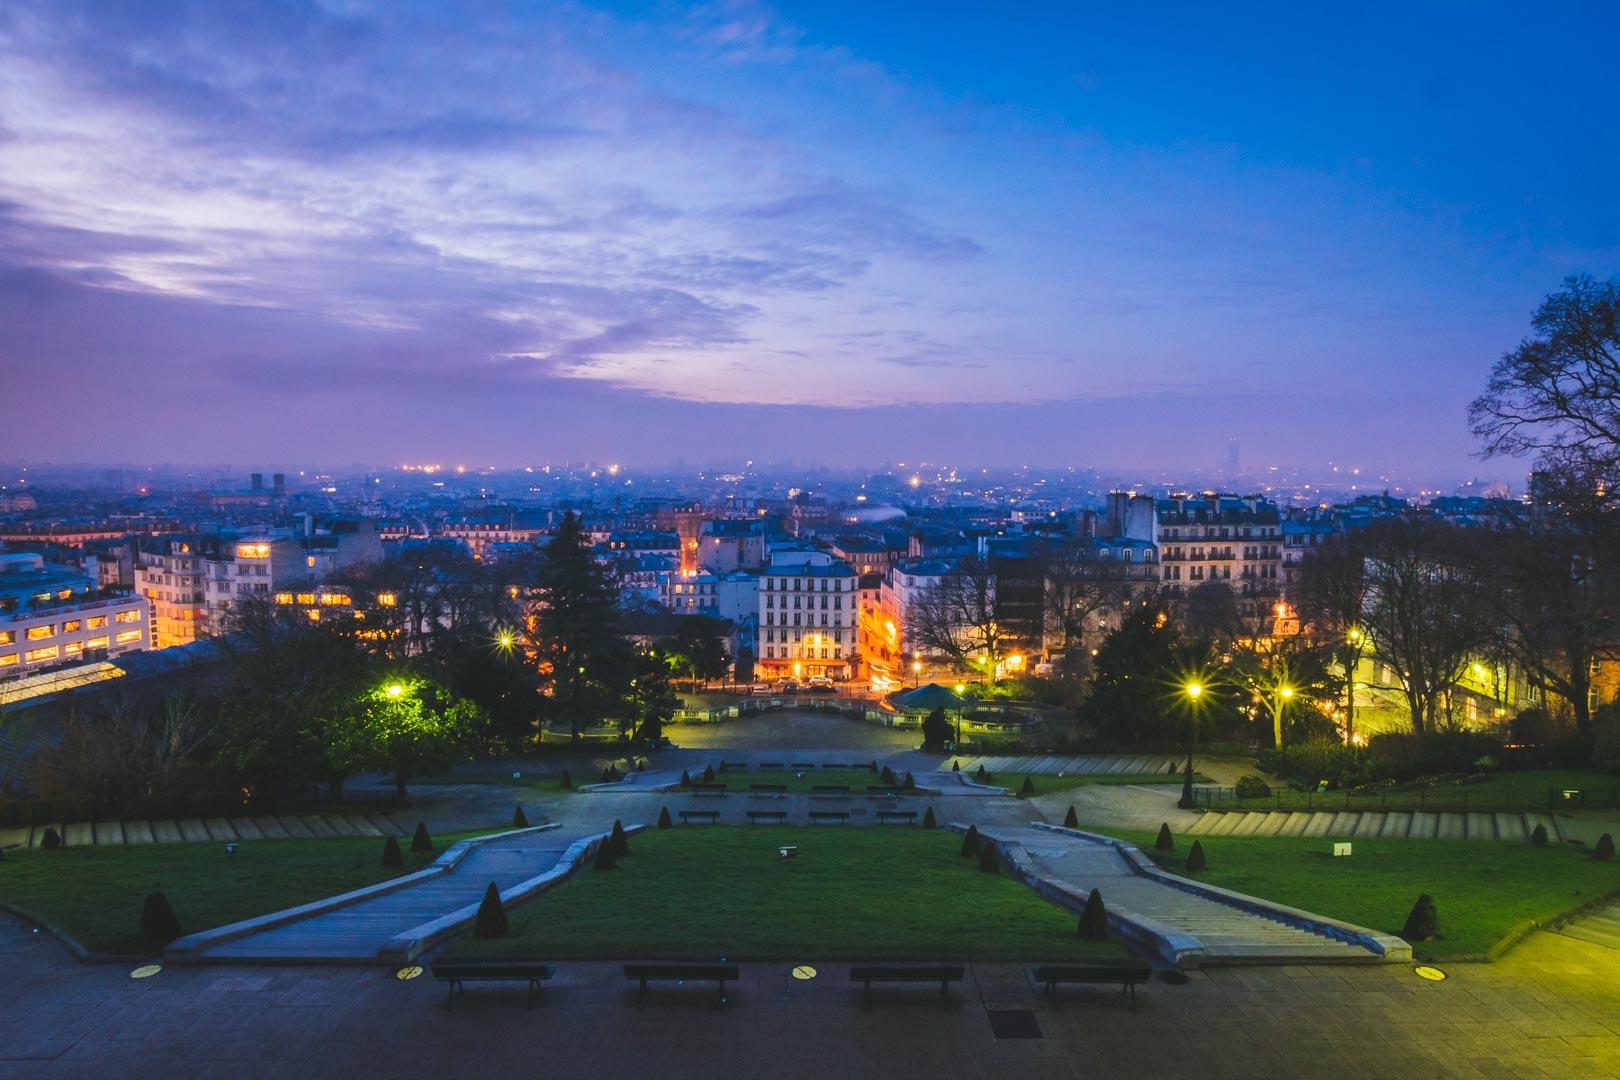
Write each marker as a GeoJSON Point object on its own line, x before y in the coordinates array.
{"type": "Point", "coordinates": [1340, 849]}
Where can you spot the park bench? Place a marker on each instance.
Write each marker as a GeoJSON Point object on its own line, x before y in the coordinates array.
{"type": "Point", "coordinates": [833, 765]}
{"type": "Point", "coordinates": [823, 817]}
{"type": "Point", "coordinates": [683, 972]}
{"type": "Point", "coordinates": [944, 974]}
{"type": "Point", "coordinates": [757, 816]}
{"type": "Point", "coordinates": [907, 816]}
{"type": "Point", "coordinates": [700, 815]}
{"type": "Point", "coordinates": [465, 971]}
{"type": "Point", "coordinates": [1125, 976]}
{"type": "Point", "coordinates": [708, 789]}
{"type": "Point", "coordinates": [804, 764]}
{"type": "Point", "coordinates": [734, 766]}
{"type": "Point", "coordinates": [771, 765]}
{"type": "Point", "coordinates": [767, 787]}
{"type": "Point", "coordinates": [829, 789]}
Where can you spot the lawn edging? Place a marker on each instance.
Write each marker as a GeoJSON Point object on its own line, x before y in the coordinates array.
{"type": "Point", "coordinates": [1523, 930]}
{"type": "Point", "coordinates": [1388, 947]}
{"type": "Point", "coordinates": [67, 940]}
{"type": "Point", "coordinates": [402, 948]}
{"type": "Point", "coordinates": [192, 946]}
{"type": "Point", "coordinates": [1169, 946]}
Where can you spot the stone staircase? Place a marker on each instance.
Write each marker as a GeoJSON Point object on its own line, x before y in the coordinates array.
{"type": "Point", "coordinates": [1368, 824]}
{"type": "Point", "coordinates": [202, 830]}
{"type": "Point", "coordinates": [1599, 927]}
{"type": "Point", "coordinates": [1071, 765]}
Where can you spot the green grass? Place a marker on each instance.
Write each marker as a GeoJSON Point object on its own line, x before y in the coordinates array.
{"type": "Point", "coordinates": [1527, 790]}
{"type": "Point", "coordinates": [96, 893]}
{"type": "Point", "coordinates": [1051, 785]}
{"type": "Point", "coordinates": [847, 894]}
{"type": "Point", "coordinates": [1482, 890]}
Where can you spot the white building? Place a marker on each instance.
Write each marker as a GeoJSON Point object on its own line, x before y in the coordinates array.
{"type": "Point", "coordinates": [52, 615]}
{"type": "Point", "coordinates": [808, 611]}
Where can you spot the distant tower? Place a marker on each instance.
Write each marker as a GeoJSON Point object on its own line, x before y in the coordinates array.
{"type": "Point", "coordinates": [1234, 460]}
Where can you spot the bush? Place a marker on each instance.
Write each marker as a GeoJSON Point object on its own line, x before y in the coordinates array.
{"type": "Point", "coordinates": [989, 860]}
{"type": "Point", "coordinates": [908, 784]}
{"type": "Point", "coordinates": [421, 841]}
{"type": "Point", "coordinates": [956, 766]}
{"type": "Point", "coordinates": [981, 775]}
{"type": "Point", "coordinates": [1603, 850]}
{"type": "Point", "coordinates": [605, 859]}
{"type": "Point", "coordinates": [490, 922]}
{"type": "Point", "coordinates": [888, 776]}
{"type": "Point", "coordinates": [567, 781]}
{"type": "Point", "coordinates": [1538, 836]}
{"type": "Point", "coordinates": [1324, 759]}
{"type": "Point", "coordinates": [1195, 858]}
{"type": "Point", "coordinates": [970, 842]}
{"type": "Point", "coordinates": [686, 778]}
{"type": "Point", "coordinates": [391, 854]}
{"type": "Point", "coordinates": [1027, 788]}
{"type": "Point", "coordinates": [1164, 841]}
{"type": "Point", "coordinates": [663, 818]}
{"type": "Point", "coordinates": [520, 820]}
{"type": "Point", "coordinates": [708, 774]}
{"type": "Point", "coordinates": [159, 924]}
{"type": "Point", "coordinates": [51, 840]}
{"type": "Point", "coordinates": [620, 842]}
{"type": "Point", "coordinates": [1423, 924]}
{"type": "Point", "coordinates": [1071, 820]}
{"type": "Point", "coordinates": [1094, 919]}
{"type": "Point", "coordinates": [1173, 769]}
{"type": "Point", "coordinates": [1252, 787]}
{"type": "Point", "coordinates": [936, 731]}
{"type": "Point", "coordinates": [928, 821]}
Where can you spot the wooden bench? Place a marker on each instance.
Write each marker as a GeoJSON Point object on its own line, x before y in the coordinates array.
{"type": "Point", "coordinates": [804, 764]}
{"type": "Point", "coordinates": [907, 816]}
{"type": "Point", "coordinates": [829, 789]}
{"type": "Point", "coordinates": [765, 765]}
{"type": "Point", "coordinates": [683, 972]}
{"type": "Point", "coordinates": [944, 974]}
{"type": "Point", "coordinates": [700, 815]}
{"type": "Point", "coordinates": [458, 972]}
{"type": "Point", "coordinates": [1125, 976]}
{"type": "Point", "coordinates": [757, 816]}
{"type": "Point", "coordinates": [767, 787]}
{"type": "Point", "coordinates": [822, 817]}
{"type": "Point", "coordinates": [709, 789]}
{"type": "Point", "coordinates": [734, 766]}
{"type": "Point", "coordinates": [833, 765]}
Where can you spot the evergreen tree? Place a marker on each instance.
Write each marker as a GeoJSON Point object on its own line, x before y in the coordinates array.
{"type": "Point", "coordinates": [1071, 820]}
{"type": "Point", "coordinates": [928, 821]}
{"type": "Point", "coordinates": [490, 922]}
{"type": "Point", "coordinates": [664, 821]}
{"type": "Point", "coordinates": [936, 732]}
{"type": "Point", "coordinates": [989, 859]}
{"type": "Point", "coordinates": [1603, 850]}
{"type": "Point", "coordinates": [1094, 919]}
{"type": "Point", "coordinates": [577, 633]}
{"type": "Point", "coordinates": [520, 820]}
{"type": "Point", "coordinates": [1027, 788]}
{"type": "Point", "coordinates": [970, 842]}
{"type": "Point", "coordinates": [159, 924]}
{"type": "Point", "coordinates": [1195, 858]}
{"type": "Point", "coordinates": [420, 840]}
{"type": "Point", "coordinates": [620, 841]}
{"type": "Point", "coordinates": [1164, 841]}
{"type": "Point", "coordinates": [1423, 924]}
{"type": "Point", "coordinates": [1133, 689]}
{"type": "Point", "coordinates": [391, 854]}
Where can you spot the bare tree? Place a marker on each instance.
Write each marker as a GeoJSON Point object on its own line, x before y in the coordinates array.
{"type": "Point", "coordinates": [1082, 587]}
{"type": "Point", "coordinates": [956, 618]}
{"type": "Point", "coordinates": [1331, 596]}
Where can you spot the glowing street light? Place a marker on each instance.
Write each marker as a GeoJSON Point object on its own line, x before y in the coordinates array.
{"type": "Point", "coordinates": [505, 639]}
{"type": "Point", "coordinates": [394, 690]}
{"type": "Point", "coordinates": [1194, 690]}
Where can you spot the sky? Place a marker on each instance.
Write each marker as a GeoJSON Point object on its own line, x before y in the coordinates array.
{"type": "Point", "coordinates": [511, 233]}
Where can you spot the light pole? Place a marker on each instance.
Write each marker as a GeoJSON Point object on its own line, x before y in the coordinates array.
{"type": "Point", "coordinates": [1281, 694]}
{"type": "Point", "coordinates": [1195, 692]}
{"type": "Point", "coordinates": [916, 671]}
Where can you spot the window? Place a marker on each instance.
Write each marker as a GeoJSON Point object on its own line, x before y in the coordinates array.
{"type": "Point", "coordinates": [127, 636]}
{"type": "Point", "coordinates": [127, 616]}
{"type": "Point", "coordinates": [8, 659]}
{"type": "Point", "coordinates": [96, 643]}
{"type": "Point", "coordinates": [73, 648]}
{"type": "Point", "coordinates": [72, 626]}
{"type": "Point", "coordinates": [40, 633]}
{"type": "Point", "coordinates": [34, 656]}
{"type": "Point", "coordinates": [7, 637]}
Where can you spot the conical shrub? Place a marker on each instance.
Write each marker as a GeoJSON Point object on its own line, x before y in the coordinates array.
{"type": "Point", "coordinates": [1071, 820]}
{"type": "Point", "coordinates": [51, 840]}
{"type": "Point", "coordinates": [1173, 769]}
{"type": "Point", "coordinates": [490, 922]}
{"type": "Point", "coordinates": [1164, 842]}
{"type": "Point", "coordinates": [605, 859]}
{"type": "Point", "coordinates": [708, 774]}
{"type": "Point", "coordinates": [391, 854]}
{"type": "Point", "coordinates": [970, 842]}
{"type": "Point", "coordinates": [664, 821]}
{"type": "Point", "coordinates": [520, 820]}
{"type": "Point", "coordinates": [1195, 857]}
{"type": "Point", "coordinates": [989, 860]}
{"type": "Point", "coordinates": [928, 821]}
{"type": "Point", "coordinates": [1026, 789]}
{"type": "Point", "coordinates": [1094, 919]}
{"type": "Point", "coordinates": [981, 775]}
{"type": "Point", "coordinates": [159, 924]}
{"type": "Point", "coordinates": [888, 776]}
{"type": "Point", "coordinates": [1423, 924]}
{"type": "Point", "coordinates": [956, 766]}
{"type": "Point", "coordinates": [1603, 850]}
{"type": "Point", "coordinates": [620, 842]}
{"type": "Point", "coordinates": [1538, 836]}
{"type": "Point", "coordinates": [908, 784]}
{"type": "Point", "coordinates": [420, 840]}
{"type": "Point", "coordinates": [567, 781]}
{"type": "Point", "coordinates": [686, 778]}
{"type": "Point", "coordinates": [607, 774]}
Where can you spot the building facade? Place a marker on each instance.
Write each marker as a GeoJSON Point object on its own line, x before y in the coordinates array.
{"type": "Point", "coordinates": [808, 609]}
{"type": "Point", "coordinates": [51, 616]}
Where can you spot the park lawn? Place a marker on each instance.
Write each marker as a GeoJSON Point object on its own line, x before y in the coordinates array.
{"type": "Point", "coordinates": [96, 893]}
{"type": "Point", "coordinates": [1051, 785]}
{"type": "Point", "coordinates": [1530, 789]}
{"type": "Point", "coordinates": [1482, 890]}
{"type": "Point", "coordinates": [849, 893]}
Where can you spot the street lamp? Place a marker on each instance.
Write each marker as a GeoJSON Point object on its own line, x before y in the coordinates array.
{"type": "Point", "coordinates": [1195, 692]}
{"type": "Point", "coordinates": [394, 690]}
{"type": "Point", "coordinates": [916, 672]}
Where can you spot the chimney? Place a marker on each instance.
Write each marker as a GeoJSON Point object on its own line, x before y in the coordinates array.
{"type": "Point", "coordinates": [280, 483]}
{"type": "Point", "coordinates": [258, 481]}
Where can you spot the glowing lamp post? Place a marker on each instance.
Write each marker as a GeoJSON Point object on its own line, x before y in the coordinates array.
{"type": "Point", "coordinates": [1195, 693]}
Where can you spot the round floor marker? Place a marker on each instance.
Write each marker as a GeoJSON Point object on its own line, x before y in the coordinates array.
{"type": "Point", "coordinates": [1433, 974]}
{"type": "Point", "coordinates": [410, 972]}
{"type": "Point", "coordinates": [146, 971]}
{"type": "Point", "coordinates": [804, 972]}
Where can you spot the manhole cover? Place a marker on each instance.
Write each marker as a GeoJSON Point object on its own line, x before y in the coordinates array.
{"type": "Point", "coordinates": [1014, 1024]}
{"type": "Point", "coordinates": [804, 971]}
{"type": "Point", "coordinates": [146, 971]}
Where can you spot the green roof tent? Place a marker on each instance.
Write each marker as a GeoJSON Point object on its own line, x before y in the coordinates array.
{"type": "Point", "coordinates": [926, 699]}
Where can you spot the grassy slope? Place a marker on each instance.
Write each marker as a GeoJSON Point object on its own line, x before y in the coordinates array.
{"type": "Point", "coordinates": [849, 893]}
{"type": "Point", "coordinates": [96, 893]}
{"type": "Point", "coordinates": [1527, 790]}
{"type": "Point", "coordinates": [1481, 889]}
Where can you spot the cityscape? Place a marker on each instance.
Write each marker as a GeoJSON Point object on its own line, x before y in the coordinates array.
{"type": "Point", "coordinates": [802, 540]}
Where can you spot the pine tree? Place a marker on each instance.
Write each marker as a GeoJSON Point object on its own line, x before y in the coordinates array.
{"type": "Point", "coordinates": [391, 854]}
{"type": "Point", "coordinates": [1071, 820]}
{"type": "Point", "coordinates": [605, 859]}
{"type": "Point", "coordinates": [1603, 850]}
{"type": "Point", "coordinates": [1195, 857]}
{"type": "Point", "coordinates": [577, 631]}
{"type": "Point", "coordinates": [1423, 924]}
{"type": "Point", "coordinates": [989, 860]}
{"type": "Point", "coordinates": [928, 821]}
{"type": "Point", "coordinates": [520, 820]}
{"type": "Point", "coordinates": [1027, 788]}
{"type": "Point", "coordinates": [970, 842]}
{"type": "Point", "coordinates": [490, 922]}
{"type": "Point", "coordinates": [421, 841]}
{"type": "Point", "coordinates": [159, 924]}
{"type": "Point", "coordinates": [620, 842]}
{"type": "Point", "coordinates": [956, 766]}
{"type": "Point", "coordinates": [1164, 842]}
{"type": "Point", "coordinates": [1094, 919]}
{"type": "Point", "coordinates": [664, 821]}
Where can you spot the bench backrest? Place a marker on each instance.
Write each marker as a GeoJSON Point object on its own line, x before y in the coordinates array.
{"type": "Point", "coordinates": [681, 971]}
{"type": "Point", "coordinates": [1084, 972]}
{"type": "Point", "coordinates": [921, 973]}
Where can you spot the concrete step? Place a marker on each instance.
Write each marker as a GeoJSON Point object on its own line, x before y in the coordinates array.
{"type": "Point", "coordinates": [109, 832]}
{"type": "Point", "coordinates": [1452, 826]}
{"type": "Point", "coordinates": [1397, 825]}
{"type": "Point", "coordinates": [246, 828]}
{"type": "Point", "coordinates": [1511, 827]}
{"type": "Point", "coordinates": [1481, 827]}
{"type": "Point", "coordinates": [1424, 825]}
{"type": "Point", "coordinates": [1225, 824]}
{"type": "Point", "coordinates": [1317, 825]}
{"type": "Point", "coordinates": [1251, 824]}
{"type": "Point", "coordinates": [1370, 824]}
{"type": "Point", "coordinates": [1273, 824]}
{"type": "Point", "coordinates": [1295, 824]}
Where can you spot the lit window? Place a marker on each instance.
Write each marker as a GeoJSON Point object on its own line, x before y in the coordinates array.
{"type": "Point", "coordinates": [73, 648]}
{"type": "Point", "coordinates": [388, 599]}
{"type": "Point", "coordinates": [7, 637]}
{"type": "Point", "coordinates": [72, 626]}
{"type": "Point", "coordinates": [8, 659]}
{"type": "Point", "coordinates": [128, 616]}
{"type": "Point", "coordinates": [96, 643]}
{"type": "Point", "coordinates": [34, 656]}
{"type": "Point", "coordinates": [97, 622]}
{"type": "Point", "coordinates": [65, 594]}
{"type": "Point", "coordinates": [284, 597]}
{"type": "Point", "coordinates": [40, 633]}
{"type": "Point", "coordinates": [309, 560]}
{"type": "Point", "coordinates": [127, 636]}
{"type": "Point", "coordinates": [306, 598]}
{"type": "Point", "coordinates": [252, 551]}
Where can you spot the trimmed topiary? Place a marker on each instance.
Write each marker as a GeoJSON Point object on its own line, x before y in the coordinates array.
{"type": "Point", "coordinates": [159, 924]}
{"type": "Point", "coordinates": [989, 860]}
{"type": "Point", "coordinates": [51, 840]}
{"type": "Point", "coordinates": [708, 774]}
{"type": "Point", "coordinates": [1538, 836]}
{"type": "Point", "coordinates": [605, 859]}
{"type": "Point", "coordinates": [873, 767]}
{"type": "Point", "coordinates": [420, 840]}
{"type": "Point", "coordinates": [1173, 769]}
{"type": "Point", "coordinates": [888, 776]}
{"type": "Point", "coordinates": [1027, 788]}
{"type": "Point", "coordinates": [620, 842]}
{"type": "Point", "coordinates": [1603, 850]}
{"type": "Point", "coordinates": [1071, 820]}
{"type": "Point", "coordinates": [520, 820]}
{"type": "Point", "coordinates": [1423, 924]}
{"type": "Point", "coordinates": [391, 854]}
{"type": "Point", "coordinates": [1164, 841]}
{"type": "Point", "coordinates": [1195, 857]}
{"type": "Point", "coordinates": [663, 818]}
{"type": "Point", "coordinates": [970, 842]}
{"type": "Point", "coordinates": [982, 775]}
{"type": "Point", "coordinates": [1094, 919]}
{"type": "Point", "coordinates": [928, 819]}
{"type": "Point", "coordinates": [490, 922]}
{"type": "Point", "coordinates": [908, 784]}
{"type": "Point", "coordinates": [956, 766]}
{"type": "Point", "coordinates": [686, 778]}
{"type": "Point", "coordinates": [1251, 787]}
{"type": "Point", "coordinates": [567, 781]}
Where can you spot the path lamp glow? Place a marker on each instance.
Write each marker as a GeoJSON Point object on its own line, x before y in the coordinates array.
{"type": "Point", "coordinates": [394, 690]}
{"type": "Point", "coordinates": [1195, 693]}
{"type": "Point", "coordinates": [1281, 694]}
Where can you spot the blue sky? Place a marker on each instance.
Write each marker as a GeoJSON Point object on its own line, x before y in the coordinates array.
{"type": "Point", "coordinates": [509, 233]}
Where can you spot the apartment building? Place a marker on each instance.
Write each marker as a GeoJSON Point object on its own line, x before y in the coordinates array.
{"type": "Point", "coordinates": [808, 609]}
{"type": "Point", "coordinates": [53, 615]}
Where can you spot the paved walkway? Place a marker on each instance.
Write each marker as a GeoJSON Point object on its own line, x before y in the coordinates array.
{"type": "Point", "coordinates": [1600, 927]}
{"type": "Point", "coordinates": [1009, 769]}
{"type": "Point", "coordinates": [1396, 824]}
{"type": "Point", "coordinates": [202, 830]}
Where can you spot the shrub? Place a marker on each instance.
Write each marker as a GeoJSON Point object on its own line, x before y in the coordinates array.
{"type": "Point", "coordinates": [1423, 924]}
{"type": "Point", "coordinates": [1195, 858]}
{"type": "Point", "coordinates": [908, 784]}
{"type": "Point", "coordinates": [641, 765]}
{"type": "Point", "coordinates": [1252, 787]}
{"type": "Point", "coordinates": [1027, 788]}
{"type": "Point", "coordinates": [936, 730]}
{"type": "Point", "coordinates": [605, 859]}
{"type": "Point", "coordinates": [421, 841]}
{"type": "Point", "coordinates": [970, 842]}
{"type": "Point", "coordinates": [1538, 836]}
{"type": "Point", "coordinates": [620, 842]}
{"type": "Point", "coordinates": [928, 821]}
{"type": "Point", "coordinates": [686, 778]}
{"type": "Point", "coordinates": [159, 924]}
{"type": "Point", "coordinates": [51, 840]}
{"type": "Point", "coordinates": [1071, 820]}
{"type": "Point", "coordinates": [490, 922]}
{"type": "Point", "coordinates": [391, 855]}
{"type": "Point", "coordinates": [956, 766]}
{"type": "Point", "coordinates": [1164, 841]}
{"type": "Point", "coordinates": [708, 774]}
{"type": "Point", "coordinates": [663, 818]}
{"type": "Point", "coordinates": [888, 776]}
{"type": "Point", "coordinates": [1094, 919]}
{"type": "Point", "coordinates": [520, 820]}
{"type": "Point", "coordinates": [567, 781]}
{"type": "Point", "coordinates": [1173, 769]}
{"type": "Point", "coordinates": [989, 860]}
{"type": "Point", "coordinates": [982, 775]}
{"type": "Point", "coordinates": [1603, 850]}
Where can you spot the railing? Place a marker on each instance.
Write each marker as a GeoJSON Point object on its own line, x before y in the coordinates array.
{"type": "Point", "coordinates": [1506, 798]}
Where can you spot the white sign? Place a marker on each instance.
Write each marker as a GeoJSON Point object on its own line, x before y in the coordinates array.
{"type": "Point", "coordinates": [1340, 849]}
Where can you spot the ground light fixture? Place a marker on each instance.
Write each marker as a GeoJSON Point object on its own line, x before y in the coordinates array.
{"type": "Point", "coordinates": [409, 972]}
{"type": "Point", "coordinates": [146, 971]}
{"type": "Point", "coordinates": [1433, 974]}
{"type": "Point", "coordinates": [804, 972]}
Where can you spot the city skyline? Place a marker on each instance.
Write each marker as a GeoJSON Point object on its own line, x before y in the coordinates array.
{"type": "Point", "coordinates": [350, 233]}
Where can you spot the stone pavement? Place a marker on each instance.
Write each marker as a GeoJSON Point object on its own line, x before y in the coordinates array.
{"type": "Point", "coordinates": [1550, 1008]}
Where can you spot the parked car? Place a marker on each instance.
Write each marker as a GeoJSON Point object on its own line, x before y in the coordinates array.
{"type": "Point", "coordinates": [820, 684]}
{"type": "Point", "coordinates": [760, 690]}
